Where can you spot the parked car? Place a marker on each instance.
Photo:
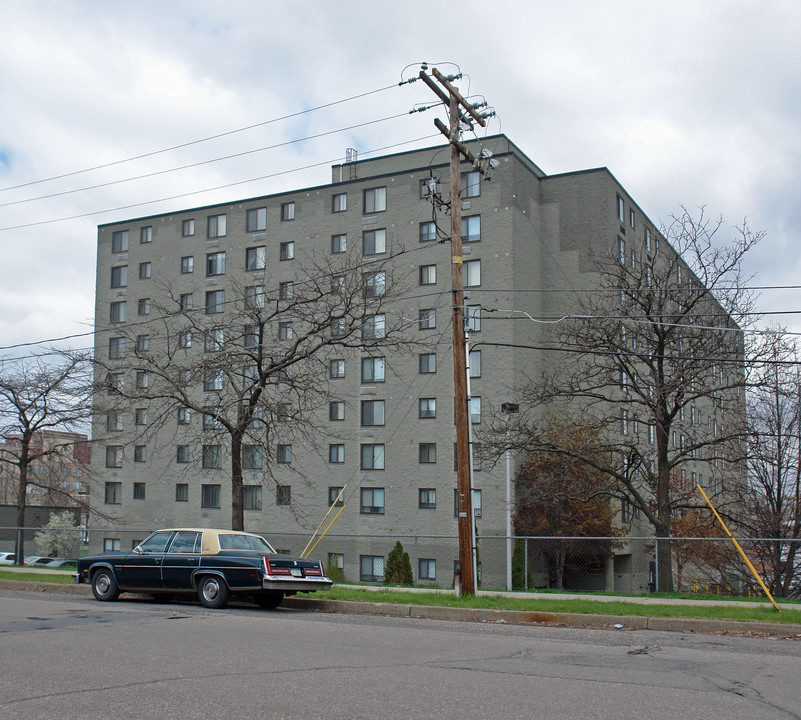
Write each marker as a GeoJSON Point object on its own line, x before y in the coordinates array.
{"type": "Point", "coordinates": [7, 558]}
{"type": "Point", "coordinates": [211, 563]}
{"type": "Point", "coordinates": [61, 563]}
{"type": "Point", "coordinates": [36, 560]}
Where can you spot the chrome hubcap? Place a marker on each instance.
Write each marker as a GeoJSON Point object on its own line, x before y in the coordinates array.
{"type": "Point", "coordinates": [102, 584]}
{"type": "Point", "coordinates": [211, 589]}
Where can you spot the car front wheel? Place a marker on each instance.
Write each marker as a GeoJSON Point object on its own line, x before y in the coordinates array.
{"type": "Point", "coordinates": [213, 592]}
{"type": "Point", "coordinates": [104, 586]}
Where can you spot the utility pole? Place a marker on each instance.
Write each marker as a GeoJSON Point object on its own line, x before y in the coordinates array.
{"type": "Point", "coordinates": [456, 103]}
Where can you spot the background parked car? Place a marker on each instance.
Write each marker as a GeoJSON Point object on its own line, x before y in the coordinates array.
{"type": "Point", "coordinates": [62, 563]}
{"type": "Point", "coordinates": [37, 560]}
{"type": "Point", "coordinates": [7, 558]}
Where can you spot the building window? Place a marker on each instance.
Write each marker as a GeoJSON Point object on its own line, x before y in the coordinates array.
{"type": "Point", "coordinates": [187, 264]}
{"type": "Point", "coordinates": [338, 327]}
{"type": "Point", "coordinates": [256, 258]}
{"type": "Point", "coordinates": [374, 284]}
{"type": "Point", "coordinates": [113, 493]}
{"type": "Point", "coordinates": [284, 412]}
{"type": "Point", "coordinates": [182, 454]}
{"type": "Point", "coordinates": [372, 501]}
{"type": "Point", "coordinates": [140, 454]}
{"type": "Point", "coordinates": [620, 209]}
{"type": "Point", "coordinates": [212, 457]}
{"type": "Point", "coordinates": [339, 202]}
{"type": "Point", "coordinates": [372, 457]}
{"type": "Point", "coordinates": [254, 297]}
{"type": "Point", "coordinates": [111, 545]}
{"type": "Point", "coordinates": [428, 408]}
{"type": "Point", "coordinates": [212, 380]}
{"type": "Point", "coordinates": [427, 453]}
{"type": "Point", "coordinates": [256, 220]}
{"type": "Point", "coordinates": [114, 420]}
{"type": "Point", "coordinates": [648, 239]}
{"type": "Point", "coordinates": [117, 312]}
{"type": "Point", "coordinates": [215, 301]}
{"type": "Point", "coordinates": [428, 274]}
{"type": "Point", "coordinates": [184, 339]}
{"type": "Point", "coordinates": [184, 416]}
{"type": "Point", "coordinates": [142, 343]}
{"type": "Point", "coordinates": [287, 251]}
{"type": "Point", "coordinates": [252, 336]}
{"type": "Point", "coordinates": [285, 331]}
{"type": "Point", "coordinates": [187, 228]}
{"type": "Point", "coordinates": [471, 184]}
{"type": "Point", "coordinates": [375, 200]}
{"type": "Point", "coordinates": [372, 370]}
{"type": "Point", "coordinates": [145, 235]}
{"type": "Point", "coordinates": [144, 271]}
{"type": "Point", "coordinates": [476, 503]}
{"type": "Point", "coordinates": [251, 457]}
{"type": "Point", "coordinates": [371, 568]}
{"type": "Point", "coordinates": [251, 497]}
{"type": "Point", "coordinates": [138, 491]}
{"type": "Point", "coordinates": [119, 241]}
{"type": "Point", "coordinates": [142, 379]}
{"type": "Point", "coordinates": [428, 319]}
{"type": "Point", "coordinates": [114, 383]}
{"type": "Point", "coordinates": [181, 492]}
{"type": "Point", "coordinates": [334, 497]}
{"type": "Point", "coordinates": [374, 242]}
{"type": "Point", "coordinates": [215, 264]}
{"type": "Point", "coordinates": [214, 340]}
{"type": "Point", "coordinates": [428, 231]}
{"type": "Point", "coordinates": [336, 369]}
{"type": "Point", "coordinates": [286, 290]}
{"type": "Point", "coordinates": [339, 243]}
{"type": "Point", "coordinates": [116, 348]}
{"type": "Point", "coordinates": [140, 416]}
{"type": "Point", "coordinates": [336, 453]}
{"type": "Point", "coordinates": [114, 456]}
{"type": "Point", "coordinates": [143, 307]}
{"type": "Point", "coordinates": [283, 495]}
{"type": "Point", "coordinates": [216, 226]}
{"type": "Point", "coordinates": [284, 454]}
{"type": "Point", "coordinates": [119, 276]}
{"type": "Point", "coordinates": [427, 499]}
{"type": "Point", "coordinates": [372, 413]}
{"type": "Point", "coordinates": [472, 273]}
{"type": "Point", "coordinates": [471, 229]}
{"type": "Point", "coordinates": [631, 218]}
{"type": "Point", "coordinates": [427, 569]}
{"type": "Point", "coordinates": [374, 327]}
{"type": "Point", "coordinates": [428, 363]}
{"type": "Point", "coordinates": [475, 410]}
{"type": "Point", "coordinates": [474, 360]}
{"type": "Point", "coordinates": [209, 496]}
{"type": "Point", "coordinates": [288, 211]}
{"type": "Point", "coordinates": [472, 318]}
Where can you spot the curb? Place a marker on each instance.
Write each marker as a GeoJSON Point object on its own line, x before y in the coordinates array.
{"type": "Point", "coordinates": [512, 617]}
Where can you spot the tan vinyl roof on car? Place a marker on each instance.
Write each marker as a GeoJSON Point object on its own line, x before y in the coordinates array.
{"type": "Point", "coordinates": [210, 544]}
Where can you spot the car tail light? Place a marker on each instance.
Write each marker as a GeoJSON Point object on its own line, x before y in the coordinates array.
{"type": "Point", "coordinates": [274, 570]}
{"type": "Point", "coordinates": [315, 570]}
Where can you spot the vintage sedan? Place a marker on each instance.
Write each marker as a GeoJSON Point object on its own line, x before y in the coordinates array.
{"type": "Point", "coordinates": [211, 563]}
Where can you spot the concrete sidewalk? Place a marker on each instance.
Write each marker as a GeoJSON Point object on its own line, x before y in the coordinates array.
{"type": "Point", "coordinates": [524, 617]}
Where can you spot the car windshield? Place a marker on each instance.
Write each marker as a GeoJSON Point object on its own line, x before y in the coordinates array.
{"type": "Point", "coordinates": [232, 541]}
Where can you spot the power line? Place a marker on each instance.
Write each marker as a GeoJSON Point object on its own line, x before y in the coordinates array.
{"type": "Point", "coordinates": [196, 142]}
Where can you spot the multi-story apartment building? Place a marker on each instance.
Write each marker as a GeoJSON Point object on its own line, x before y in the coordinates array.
{"type": "Point", "coordinates": [386, 432]}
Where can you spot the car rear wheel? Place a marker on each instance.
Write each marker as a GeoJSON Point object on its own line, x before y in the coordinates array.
{"type": "Point", "coordinates": [104, 586]}
{"type": "Point", "coordinates": [213, 592]}
{"type": "Point", "coordinates": [269, 600]}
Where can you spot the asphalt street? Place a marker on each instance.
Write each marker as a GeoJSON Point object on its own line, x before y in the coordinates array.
{"type": "Point", "coordinates": [68, 656]}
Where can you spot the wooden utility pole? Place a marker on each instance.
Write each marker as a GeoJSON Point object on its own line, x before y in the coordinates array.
{"type": "Point", "coordinates": [464, 500]}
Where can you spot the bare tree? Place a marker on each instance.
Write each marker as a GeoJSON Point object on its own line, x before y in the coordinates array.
{"type": "Point", "coordinates": [39, 395]}
{"type": "Point", "coordinates": [652, 361]}
{"type": "Point", "coordinates": [774, 463]}
{"type": "Point", "coordinates": [254, 361]}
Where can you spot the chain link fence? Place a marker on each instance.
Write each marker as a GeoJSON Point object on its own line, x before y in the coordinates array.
{"type": "Point", "coordinates": [571, 564]}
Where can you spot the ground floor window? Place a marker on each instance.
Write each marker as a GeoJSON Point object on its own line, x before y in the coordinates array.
{"type": "Point", "coordinates": [427, 569]}
{"type": "Point", "coordinates": [371, 568]}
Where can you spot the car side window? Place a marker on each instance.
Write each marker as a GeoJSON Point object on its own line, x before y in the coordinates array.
{"type": "Point", "coordinates": [155, 543]}
{"type": "Point", "coordinates": [185, 542]}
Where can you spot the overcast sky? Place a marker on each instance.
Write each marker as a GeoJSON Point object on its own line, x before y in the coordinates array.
{"type": "Point", "coordinates": [687, 103]}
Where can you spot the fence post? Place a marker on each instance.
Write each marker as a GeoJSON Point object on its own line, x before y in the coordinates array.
{"type": "Point", "coordinates": [525, 563]}
{"type": "Point", "coordinates": [656, 565]}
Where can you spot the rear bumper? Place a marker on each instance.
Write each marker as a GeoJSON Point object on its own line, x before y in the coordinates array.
{"type": "Point", "coordinates": [299, 585]}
